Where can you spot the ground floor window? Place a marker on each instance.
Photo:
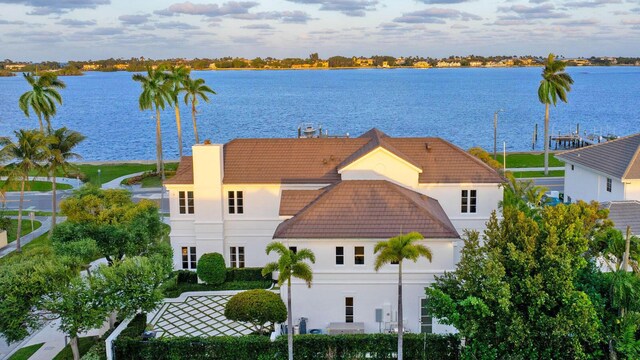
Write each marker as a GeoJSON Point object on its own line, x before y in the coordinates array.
{"type": "Point", "coordinates": [348, 309]}
{"type": "Point", "coordinates": [426, 322]}
{"type": "Point", "coordinates": [237, 256]}
{"type": "Point", "coordinates": [189, 257]}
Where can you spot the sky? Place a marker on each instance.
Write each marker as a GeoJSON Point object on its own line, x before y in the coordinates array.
{"type": "Point", "coordinates": [62, 30]}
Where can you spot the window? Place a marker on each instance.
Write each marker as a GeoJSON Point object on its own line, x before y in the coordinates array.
{"type": "Point", "coordinates": [572, 167]}
{"type": "Point", "coordinates": [294, 249]}
{"type": "Point", "coordinates": [186, 202]}
{"type": "Point", "coordinates": [237, 256]}
{"type": "Point", "coordinates": [348, 310]}
{"type": "Point", "coordinates": [609, 185]}
{"type": "Point", "coordinates": [339, 255]}
{"type": "Point", "coordinates": [236, 202]}
{"type": "Point", "coordinates": [189, 258]}
{"type": "Point", "coordinates": [359, 255]}
{"type": "Point", "coordinates": [468, 201]}
{"type": "Point", "coordinates": [426, 322]}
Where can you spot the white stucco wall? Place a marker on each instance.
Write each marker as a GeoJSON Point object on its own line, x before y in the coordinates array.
{"type": "Point", "coordinates": [632, 190]}
{"type": "Point", "coordinates": [380, 164]}
{"type": "Point", "coordinates": [581, 183]}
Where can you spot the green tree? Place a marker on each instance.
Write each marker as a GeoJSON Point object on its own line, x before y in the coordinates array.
{"type": "Point", "coordinates": [211, 268]}
{"type": "Point", "coordinates": [290, 264]}
{"type": "Point", "coordinates": [63, 142]}
{"type": "Point", "coordinates": [555, 84]}
{"type": "Point", "coordinates": [258, 307]}
{"type": "Point", "coordinates": [42, 97]}
{"type": "Point", "coordinates": [523, 195]}
{"type": "Point", "coordinates": [156, 93]}
{"type": "Point", "coordinates": [194, 89]}
{"type": "Point", "coordinates": [177, 76]}
{"type": "Point", "coordinates": [26, 154]}
{"type": "Point", "coordinates": [510, 292]}
{"type": "Point", "coordinates": [395, 251]}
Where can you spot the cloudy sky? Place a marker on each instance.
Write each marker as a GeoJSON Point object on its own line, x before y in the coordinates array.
{"type": "Point", "coordinates": [96, 29]}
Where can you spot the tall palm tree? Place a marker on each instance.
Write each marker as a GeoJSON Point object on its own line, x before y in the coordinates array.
{"type": "Point", "coordinates": [290, 264]}
{"type": "Point", "coordinates": [63, 142]}
{"type": "Point", "coordinates": [177, 76]}
{"type": "Point", "coordinates": [42, 97]}
{"type": "Point", "coordinates": [555, 84]}
{"type": "Point", "coordinates": [194, 89]}
{"type": "Point", "coordinates": [154, 96]}
{"type": "Point", "coordinates": [396, 250]}
{"type": "Point", "coordinates": [27, 153]}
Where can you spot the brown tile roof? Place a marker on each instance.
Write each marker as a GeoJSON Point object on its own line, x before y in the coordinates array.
{"type": "Point", "coordinates": [623, 214]}
{"type": "Point", "coordinates": [316, 161]}
{"type": "Point", "coordinates": [618, 158]}
{"type": "Point", "coordinates": [184, 173]}
{"type": "Point", "coordinates": [292, 201]}
{"type": "Point", "coordinates": [369, 209]}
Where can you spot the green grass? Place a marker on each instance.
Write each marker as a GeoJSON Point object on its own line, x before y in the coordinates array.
{"type": "Point", "coordinates": [26, 352]}
{"type": "Point", "coordinates": [38, 245]}
{"type": "Point", "coordinates": [538, 174]}
{"type": "Point", "coordinates": [529, 160]}
{"type": "Point", "coordinates": [37, 186]}
{"type": "Point", "coordinates": [26, 228]}
{"type": "Point", "coordinates": [113, 171]}
{"type": "Point", "coordinates": [24, 213]}
{"type": "Point", "coordinates": [84, 344]}
{"type": "Point", "coordinates": [151, 182]}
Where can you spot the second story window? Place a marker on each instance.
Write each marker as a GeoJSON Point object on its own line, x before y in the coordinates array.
{"type": "Point", "coordinates": [236, 202]}
{"type": "Point", "coordinates": [609, 184]}
{"type": "Point", "coordinates": [468, 202]}
{"type": "Point", "coordinates": [359, 255]}
{"type": "Point", "coordinates": [185, 199]}
{"type": "Point", "coordinates": [339, 255]}
{"type": "Point", "coordinates": [294, 249]}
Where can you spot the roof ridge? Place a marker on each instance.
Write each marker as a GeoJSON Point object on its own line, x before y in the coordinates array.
{"type": "Point", "coordinates": [296, 217]}
{"type": "Point", "coordinates": [635, 157]}
{"type": "Point", "coordinates": [478, 161]}
{"type": "Point", "coordinates": [376, 141]}
{"type": "Point", "coordinates": [598, 144]}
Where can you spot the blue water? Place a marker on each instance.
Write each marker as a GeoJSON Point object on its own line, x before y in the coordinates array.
{"type": "Point", "coordinates": [456, 104]}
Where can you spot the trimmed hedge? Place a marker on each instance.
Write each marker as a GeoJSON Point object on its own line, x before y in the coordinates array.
{"type": "Point", "coordinates": [136, 327]}
{"type": "Point", "coordinates": [186, 277]}
{"type": "Point", "coordinates": [246, 274]}
{"type": "Point", "coordinates": [212, 269]}
{"type": "Point", "coordinates": [256, 307]}
{"type": "Point", "coordinates": [306, 347]}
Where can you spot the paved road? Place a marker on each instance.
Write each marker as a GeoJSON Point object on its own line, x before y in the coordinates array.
{"type": "Point", "coordinates": [552, 183]}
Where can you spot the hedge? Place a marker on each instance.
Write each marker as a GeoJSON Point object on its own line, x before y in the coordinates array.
{"type": "Point", "coordinates": [256, 307]}
{"type": "Point", "coordinates": [211, 269]}
{"type": "Point", "coordinates": [186, 277]}
{"type": "Point", "coordinates": [136, 327]}
{"type": "Point", "coordinates": [306, 347]}
{"type": "Point", "coordinates": [246, 274]}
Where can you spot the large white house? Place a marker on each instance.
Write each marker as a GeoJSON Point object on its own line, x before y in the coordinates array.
{"type": "Point", "coordinates": [608, 171]}
{"type": "Point", "coordinates": [337, 197]}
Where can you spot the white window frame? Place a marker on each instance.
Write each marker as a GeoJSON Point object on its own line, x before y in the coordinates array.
{"type": "Point", "coordinates": [469, 201]}
{"type": "Point", "coordinates": [235, 202]}
{"type": "Point", "coordinates": [349, 318]}
{"type": "Point", "coordinates": [340, 256]}
{"type": "Point", "coordinates": [609, 185]}
{"type": "Point", "coordinates": [189, 257]}
{"type": "Point", "coordinates": [186, 202]}
{"type": "Point", "coordinates": [237, 257]}
{"type": "Point", "coordinates": [356, 255]}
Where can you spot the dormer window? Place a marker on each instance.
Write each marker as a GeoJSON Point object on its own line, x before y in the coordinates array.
{"type": "Point", "coordinates": [236, 202]}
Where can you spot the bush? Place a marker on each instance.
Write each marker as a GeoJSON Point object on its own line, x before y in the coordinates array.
{"type": "Point", "coordinates": [256, 307]}
{"type": "Point", "coordinates": [212, 269]}
{"type": "Point", "coordinates": [485, 157]}
{"type": "Point", "coordinates": [306, 347]}
{"type": "Point", "coordinates": [246, 274]}
{"type": "Point", "coordinates": [135, 328]}
{"type": "Point", "coordinates": [186, 277]}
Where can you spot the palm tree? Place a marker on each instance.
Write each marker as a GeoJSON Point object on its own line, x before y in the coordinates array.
{"type": "Point", "coordinates": [193, 89]}
{"type": "Point", "coordinates": [177, 76]}
{"type": "Point", "coordinates": [395, 251]}
{"type": "Point", "coordinates": [555, 84]}
{"type": "Point", "coordinates": [27, 153]}
{"type": "Point", "coordinates": [155, 95]}
{"type": "Point", "coordinates": [43, 96]}
{"type": "Point", "coordinates": [63, 141]}
{"type": "Point", "coordinates": [290, 264]}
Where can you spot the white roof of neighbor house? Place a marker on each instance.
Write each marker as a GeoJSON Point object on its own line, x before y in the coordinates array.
{"type": "Point", "coordinates": [623, 214]}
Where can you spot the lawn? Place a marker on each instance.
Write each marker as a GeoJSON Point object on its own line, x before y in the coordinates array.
{"type": "Point", "coordinates": [26, 352]}
{"type": "Point", "coordinates": [37, 186]}
{"type": "Point", "coordinates": [41, 244]}
{"type": "Point", "coordinates": [529, 160]}
{"type": "Point", "coordinates": [151, 182]}
{"type": "Point", "coordinates": [26, 227]}
{"type": "Point", "coordinates": [84, 344]}
{"type": "Point", "coordinates": [25, 213]}
{"type": "Point", "coordinates": [113, 171]}
{"type": "Point", "coordinates": [538, 174]}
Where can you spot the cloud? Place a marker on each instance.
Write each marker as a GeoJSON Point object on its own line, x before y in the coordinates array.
{"type": "Point", "coordinates": [209, 10]}
{"type": "Point", "coordinates": [630, 21]}
{"type": "Point", "coordinates": [34, 36]}
{"type": "Point", "coordinates": [11, 22]}
{"type": "Point", "coordinates": [177, 25]}
{"type": "Point", "coordinates": [47, 7]}
{"type": "Point", "coordinates": [258, 27]}
{"type": "Point", "coordinates": [134, 19]}
{"type": "Point", "coordinates": [298, 17]}
{"type": "Point", "coordinates": [347, 7]}
{"type": "Point", "coordinates": [103, 31]}
{"type": "Point", "coordinates": [435, 16]}
{"type": "Point", "coordinates": [431, 2]}
{"type": "Point", "coordinates": [544, 11]}
{"type": "Point", "coordinates": [76, 23]}
{"type": "Point", "coordinates": [591, 3]}
{"type": "Point", "coordinates": [581, 22]}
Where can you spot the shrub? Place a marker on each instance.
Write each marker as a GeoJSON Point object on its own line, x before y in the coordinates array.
{"type": "Point", "coordinates": [485, 157]}
{"type": "Point", "coordinates": [135, 328]}
{"type": "Point", "coordinates": [212, 269]}
{"type": "Point", "coordinates": [256, 307]}
{"type": "Point", "coordinates": [246, 274]}
{"type": "Point", "coordinates": [186, 277]}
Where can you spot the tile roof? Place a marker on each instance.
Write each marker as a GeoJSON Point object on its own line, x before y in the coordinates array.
{"type": "Point", "coordinates": [623, 214]}
{"type": "Point", "coordinates": [184, 173]}
{"type": "Point", "coordinates": [369, 209]}
{"type": "Point", "coordinates": [618, 158]}
{"type": "Point", "coordinates": [292, 201]}
{"type": "Point", "coordinates": [317, 160]}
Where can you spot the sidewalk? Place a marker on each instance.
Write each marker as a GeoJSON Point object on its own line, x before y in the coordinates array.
{"type": "Point", "coordinates": [44, 228]}
{"type": "Point", "coordinates": [115, 183]}
{"type": "Point", "coordinates": [534, 169]}
{"type": "Point", "coordinates": [59, 180]}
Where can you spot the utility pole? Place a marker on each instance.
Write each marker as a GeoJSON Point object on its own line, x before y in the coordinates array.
{"type": "Point", "coordinates": [495, 134]}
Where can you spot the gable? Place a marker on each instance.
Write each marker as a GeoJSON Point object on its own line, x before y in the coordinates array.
{"type": "Point", "coordinates": [381, 164]}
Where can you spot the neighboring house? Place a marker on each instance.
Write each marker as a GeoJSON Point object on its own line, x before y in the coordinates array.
{"type": "Point", "coordinates": [608, 171]}
{"type": "Point", "coordinates": [337, 197]}
{"type": "Point", "coordinates": [625, 214]}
